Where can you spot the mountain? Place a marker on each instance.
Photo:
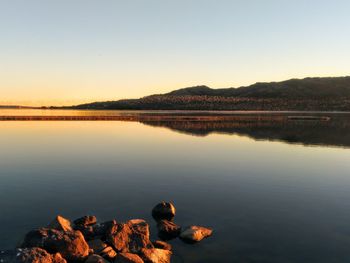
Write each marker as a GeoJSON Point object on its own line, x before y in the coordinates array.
{"type": "Point", "coordinates": [293, 88]}
{"type": "Point", "coordinates": [331, 94]}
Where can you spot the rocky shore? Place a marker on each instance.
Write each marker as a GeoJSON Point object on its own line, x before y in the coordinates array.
{"type": "Point", "coordinates": [86, 240]}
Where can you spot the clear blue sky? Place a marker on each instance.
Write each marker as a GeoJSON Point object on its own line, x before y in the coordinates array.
{"type": "Point", "coordinates": [71, 51]}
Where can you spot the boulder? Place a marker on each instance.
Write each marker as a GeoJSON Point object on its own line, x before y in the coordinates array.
{"type": "Point", "coordinates": [163, 210]}
{"type": "Point", "coordinates": [87, 231]}
{"type": "Point", "coordinates": [162, 245]}
{"type": "Point", "coordinates": [131, 236]}
{"type": "Point", "coordinates": [168, 230]}
{"type": "Point", "coordinates": [60, 223]}
{"type": "Point", "coordinates": [155, 255]}
{"type": "Point", "coordinates": [86, 221]}
{"type": "Point", "coordinates": [128, 258]}
{"type": "Point", "coordinates": [101, 230]}
{"type": "Point", "coordinates": [96, 230]}
{"type": "Point", "coordinates": [70, 244]}
{"type": "Point", "coordinates": [95, 259]}
{"type": "Point", "coordinates": [30, 255]}
{"type": "Point", "coordinates": [108, 253]}
{"type": "Point", "coordinates": [195, 233]}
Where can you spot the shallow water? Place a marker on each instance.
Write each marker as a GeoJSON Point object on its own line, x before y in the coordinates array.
{"type": "Point", "coordinates": [273, 192]}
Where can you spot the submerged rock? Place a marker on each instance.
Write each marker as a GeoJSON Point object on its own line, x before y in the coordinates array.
{"type": "Point", "coordinates": [130, 237]}
{"type": "Point", "coordinates": [30, 255]}
{"type": "Point", "coordinates": [162, 245]}
{"type": "Point", "coordinates": [164, 210]}
{"type": "Point", "coordinates": [60, 223]}
{"type": "Point", "coordinates": [86, 221]}
{"type": "Point", "coordinates": [168, 230]}
{"type": "Point", "coordinates": [70, 244]}
{"type": "Point", "coordinates": [195, 233]}
{"type": "Point", "coordinates": [128, 258]}
{"type": "Point", "coordinates": [155, 255]}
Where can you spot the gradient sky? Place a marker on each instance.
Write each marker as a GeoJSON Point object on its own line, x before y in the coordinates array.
{"type": "Point", "coordinates": [71, 51]}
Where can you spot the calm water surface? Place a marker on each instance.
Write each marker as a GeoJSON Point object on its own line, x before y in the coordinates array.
{"type": "Point", "coordinates": [272, 192]}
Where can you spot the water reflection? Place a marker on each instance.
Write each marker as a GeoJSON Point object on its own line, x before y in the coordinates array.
{"type": "Point", "coordinates": [267, 202]}
{"type": "Point", "coordinates": [334, 132]}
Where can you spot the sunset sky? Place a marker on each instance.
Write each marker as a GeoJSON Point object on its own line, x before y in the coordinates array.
{"type": "Point", "coordinates": [72, 51]}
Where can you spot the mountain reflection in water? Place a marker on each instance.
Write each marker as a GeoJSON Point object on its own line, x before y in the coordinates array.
{"type": "Point", "coordinates": [332, 132]}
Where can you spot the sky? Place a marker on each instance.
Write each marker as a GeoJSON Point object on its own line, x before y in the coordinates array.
{"type": "Point", "coordinates": [63, 52]}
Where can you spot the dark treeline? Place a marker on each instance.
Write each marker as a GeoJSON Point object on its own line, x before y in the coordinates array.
{"type": "Point", "coordinates": [222, 103]}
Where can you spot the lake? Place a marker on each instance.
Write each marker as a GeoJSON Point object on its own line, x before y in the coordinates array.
{"type": "Point", "coordinates": [273, 191]}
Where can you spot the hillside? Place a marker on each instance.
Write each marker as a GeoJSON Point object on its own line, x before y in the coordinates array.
{"type": "Point", "coordinates": [295, 94]}
{"type": "Point", "coordinates": [294, 88]}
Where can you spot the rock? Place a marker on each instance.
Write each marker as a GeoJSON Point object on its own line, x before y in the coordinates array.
{"type": "Point", "coordinates": [168, 230]}
{"type": "Point", "coordinates": [108, 253]}
{"type": "Point", "coordinates": [130, 237]}
{"type": "Point", "coordinates": [87, 231]}
{"type": "Point", "coordinates": [86, 221]}
{"type": "Point", "coordinates": [70, 244]}
{"type": "Point", "coordinates": [101, 230]}
{"type": "Point", "coordinates": [31, 255]}
{"type": "Point", "coordinates": [102, 249]}
{"type": "Point", "coordinates": [57, 258]}
{"type": "Point", "coordinates": [97, 245]}
{"type": "Point", "coordinates": [128, 258]}
{"type": "Point", "coordinates": [60, 223]}
{"type": "Point", "coordinates": [163, 210]}
{"type": "Point", "coordinates": [195, 233]}
{"type": "Point", "coordinates": [162, 245]}
{"type": "Point", "coordinates": [155, 255]}
{"type": "Point", "coordinates": [95, 259]}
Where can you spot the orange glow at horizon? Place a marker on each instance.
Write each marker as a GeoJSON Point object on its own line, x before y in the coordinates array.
{"type": "Point", "coordinates": [72, 93]}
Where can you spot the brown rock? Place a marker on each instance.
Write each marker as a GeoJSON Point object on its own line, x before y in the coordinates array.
{"type": "Point", "coordinates": [119, 237]}
{"type": "Point", "coordinates": [195, 233]}
{"type": "Point", "coordinates": [57, 258]}
{"type": "Point", "coordinates": [162, 245]}
{"type": "Point", "coordinates": [164, 210]}
{"type": "Point", "coordinates": [168, 230]}
{"type": "Point", "coordinates": [95, 259]}
{"type": "Point", "coordinates": [31, 255]}
{"type": "Point", "coordinates": [70, 244]}
{"type": "Point", "coordinates": [128, 258]}
{"type": "Point", "coordinates": [87, 231]}
{"type": "Point", "coordinates": [108, 253]}
{"type": "Point", "coordinates": [86, 221]}
{"type": "Point", "coordinates": [130, 237]}
{"type": "Point", "coordinates": [60, 223]}
{"type": "Point", "coordinates": [155, 255]}
{"type": "Point", "coordinates": [101, 230]}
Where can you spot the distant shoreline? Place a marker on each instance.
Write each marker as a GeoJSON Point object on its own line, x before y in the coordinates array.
{"type": "Point", "coordinates": [239, 117]}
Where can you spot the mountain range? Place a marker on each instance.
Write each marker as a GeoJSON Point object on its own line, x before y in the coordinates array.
{"type": "Point", "coordinates": [326, 94]}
